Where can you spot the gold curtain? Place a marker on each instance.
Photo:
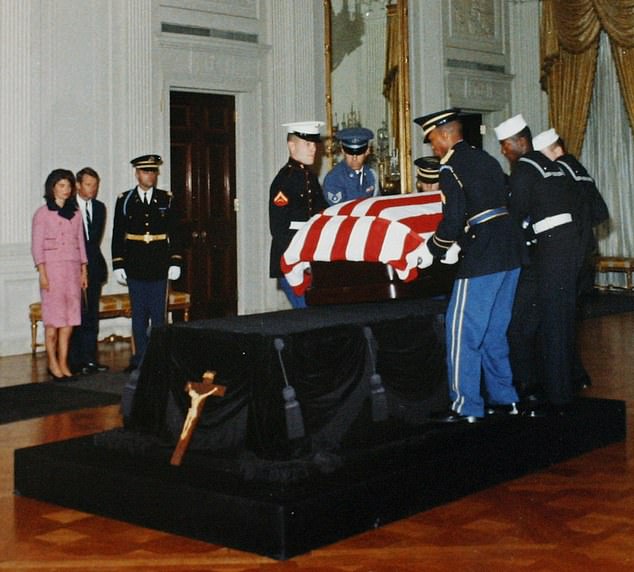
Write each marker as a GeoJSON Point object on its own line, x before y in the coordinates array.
{"type": "Point", "coordinates": [569, 49]}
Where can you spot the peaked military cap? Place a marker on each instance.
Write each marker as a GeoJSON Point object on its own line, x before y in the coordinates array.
{"type": "Point", "coordinates": [354, 140]}
{"type": "Point", "coordinates": [308, 130]}
{"type": "Point", "coordinates": [430, 121]}
{"type": "Point", "coordinates": [428, 169]}
{"type": "Point", "coordinates": [147, 162]}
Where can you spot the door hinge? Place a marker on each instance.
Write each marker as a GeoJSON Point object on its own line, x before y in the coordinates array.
{"type": "Point", "coordinates": [236, 205]}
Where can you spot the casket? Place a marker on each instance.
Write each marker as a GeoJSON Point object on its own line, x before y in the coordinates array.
{"type": "Point", "coordinates": [368, 250]}
{"type": "Point", "coordinates": [352, 282]}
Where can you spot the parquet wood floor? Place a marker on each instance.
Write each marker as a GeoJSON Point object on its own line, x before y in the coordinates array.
{"type": "Point", "coordinates": [575, 516]}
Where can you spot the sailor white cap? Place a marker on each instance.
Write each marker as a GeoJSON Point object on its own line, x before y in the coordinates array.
{"type": "Point", "coordinates": [510, 127]}
{"type": "Point", "coordinates": [308, 130]}
{"type": "Point", "coordinates": [544, 139]}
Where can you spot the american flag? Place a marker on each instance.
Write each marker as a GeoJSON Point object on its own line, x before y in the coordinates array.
{"type": "Point", "coordinates": [388, 229]}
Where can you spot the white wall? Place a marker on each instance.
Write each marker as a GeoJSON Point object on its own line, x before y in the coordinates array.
{"type": "Point", "coordinates": [87, 82]}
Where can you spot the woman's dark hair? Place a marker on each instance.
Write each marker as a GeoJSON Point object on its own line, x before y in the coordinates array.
{"type": "Point", "coordinates": [55, 177]}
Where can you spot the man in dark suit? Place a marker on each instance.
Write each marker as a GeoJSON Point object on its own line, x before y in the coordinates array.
{"type": "Point", "coordinates": [83, 346]}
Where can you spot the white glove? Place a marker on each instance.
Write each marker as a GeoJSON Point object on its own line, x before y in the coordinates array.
{"type": "Point", "coordinates": [426, 258]}
{"type": "Point", "coordinates": [452, 254]}
{"type": "Point", "coordinates": [174, 273]}
{"type": "Point", "coordinates": [120, 276]}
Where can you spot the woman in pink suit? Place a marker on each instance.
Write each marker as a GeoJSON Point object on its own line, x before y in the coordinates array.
{"type": "Point", "coordinates": [59, 253]}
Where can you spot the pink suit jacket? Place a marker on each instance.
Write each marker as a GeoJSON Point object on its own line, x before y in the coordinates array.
{"type": "Point", "coordinates": [56, 239]}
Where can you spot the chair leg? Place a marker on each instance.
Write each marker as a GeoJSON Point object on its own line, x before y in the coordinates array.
{"type": "Point", "coordinates": [33, 336]}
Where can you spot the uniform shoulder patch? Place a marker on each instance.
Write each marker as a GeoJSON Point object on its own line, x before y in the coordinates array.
{"type": "Point", "coordinates": [280, 200]}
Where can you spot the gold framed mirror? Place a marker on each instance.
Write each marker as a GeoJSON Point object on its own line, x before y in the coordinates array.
{"type": "Point", "coordinates": [366, 47]}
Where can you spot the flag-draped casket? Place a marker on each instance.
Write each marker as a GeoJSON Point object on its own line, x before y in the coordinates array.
{"type": "Point", "coordinates": [366, 250]}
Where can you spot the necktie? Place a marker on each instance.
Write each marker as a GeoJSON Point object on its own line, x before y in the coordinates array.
{"type": "Point", "coordinates": [145, 201]}
{"type": "Point", "coordinates": [88, 220]}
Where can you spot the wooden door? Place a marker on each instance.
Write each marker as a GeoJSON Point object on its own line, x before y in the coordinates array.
{"type": "Point", "coordinates": [202, 130]}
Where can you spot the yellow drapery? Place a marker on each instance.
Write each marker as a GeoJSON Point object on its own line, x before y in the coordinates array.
{"type": "Point", "coordinates": [569, 49]}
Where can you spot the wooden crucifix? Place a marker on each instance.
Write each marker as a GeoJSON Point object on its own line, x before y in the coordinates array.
{"type": "Point", "coordinates": [198, 392]}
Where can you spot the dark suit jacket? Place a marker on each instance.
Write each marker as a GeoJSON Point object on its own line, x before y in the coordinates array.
{"type": "Point", "coordinates": [97, 267]}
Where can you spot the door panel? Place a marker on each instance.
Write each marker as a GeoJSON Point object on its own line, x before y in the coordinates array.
{"type": "Point", "coordinates": [203, 167]}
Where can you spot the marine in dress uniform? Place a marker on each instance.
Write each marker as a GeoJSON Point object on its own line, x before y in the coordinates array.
{"type": "Point", "coordinates": [542, 330]}
{"type": "Point", "coordinates": [351, 178]}
{"type": "Point", "coordinates": [476, 218]}
{"type": "Point", "coordinates": [294, 196]}
{"type": "Point", "coordinates": [145, 249]}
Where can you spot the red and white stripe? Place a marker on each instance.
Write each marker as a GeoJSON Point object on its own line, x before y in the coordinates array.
{"type": "Point", "coordinates": [389, 229]}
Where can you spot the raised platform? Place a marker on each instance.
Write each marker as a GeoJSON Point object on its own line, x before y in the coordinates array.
{"type": "Point", "coordinates": [237, 500]}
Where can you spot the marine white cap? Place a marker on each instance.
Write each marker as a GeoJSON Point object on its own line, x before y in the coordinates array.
{"type": "Point", "coordinates": [544, 139]}
{"type": "Point", "coordinates": [308, 130]}
{"type": "Point", "coordinates": [510, 127]}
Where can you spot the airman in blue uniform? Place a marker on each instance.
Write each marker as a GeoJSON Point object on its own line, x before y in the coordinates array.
{"type": "Point", "coordinates": [352, 178]}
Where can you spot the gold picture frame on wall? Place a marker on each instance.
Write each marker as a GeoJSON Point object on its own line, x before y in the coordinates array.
{"type": "Point", "coordinates": [366, 48]}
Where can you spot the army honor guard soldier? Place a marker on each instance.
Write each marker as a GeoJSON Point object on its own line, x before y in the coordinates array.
{"type": "Point", "coordinates": [145, 249]}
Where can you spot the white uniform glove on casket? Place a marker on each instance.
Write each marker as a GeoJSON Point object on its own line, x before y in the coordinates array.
{"type": "Point", "coordinates": [452, 254]}
{"type": "Point", "coordinates": [173, 273]}
{"type": "Point", "coordinates": [426, 258]}
{"type": "Point", "coordinates": [120, 276]}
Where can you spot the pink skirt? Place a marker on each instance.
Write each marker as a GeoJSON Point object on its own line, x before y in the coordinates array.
{"type": "Point", "coordinates": [61, 303]}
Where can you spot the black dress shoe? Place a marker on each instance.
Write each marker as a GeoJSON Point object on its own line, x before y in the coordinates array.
{"type": "Point", "coordinates": [453, 417]}
{"type": "Point", "coordinates": [93, 367]}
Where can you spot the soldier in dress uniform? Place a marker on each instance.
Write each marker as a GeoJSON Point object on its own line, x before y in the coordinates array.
{"type": "Point", "coordinates": [476, 218]}
{"type": "Point", "coordinates": [295, 195]}
{"type": "Point", "coordinates": [593, 211]}
{"type": "Point", "coordinates": [542, 330]}
{"type": "Point", "coordinates": [427, 174]}
{"type": "Point", "coordinates": [145, 249]}
{"type": "Point", "coordinates": [352, 178]}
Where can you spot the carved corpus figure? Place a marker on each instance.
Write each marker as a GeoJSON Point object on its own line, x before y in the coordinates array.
{"type": "Point", "coordinates": [198, 392]}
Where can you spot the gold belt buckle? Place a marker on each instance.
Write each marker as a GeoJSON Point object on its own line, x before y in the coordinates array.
{"type": "Point", "coordinates": [147, 238]}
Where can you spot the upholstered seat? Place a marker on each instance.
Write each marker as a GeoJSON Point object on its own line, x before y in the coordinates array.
{"type": "Point", "coordinates": [617, 264]}
{"type": "Point", "coordinates": [111, 306]}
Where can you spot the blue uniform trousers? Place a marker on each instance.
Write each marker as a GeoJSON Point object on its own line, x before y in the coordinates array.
{"type": "Point", "coordinates": [478, 317]}
{"type": "Point", "coordinates": [147, 298]}
{"type": "Point", "coordinates": [297, 302]}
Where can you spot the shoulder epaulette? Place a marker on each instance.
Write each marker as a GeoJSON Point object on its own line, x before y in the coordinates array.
{"type": "Point", "coordinates": [450, 169]}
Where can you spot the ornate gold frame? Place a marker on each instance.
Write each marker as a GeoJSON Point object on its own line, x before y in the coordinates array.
{"type": "Point", "coordinates": [403, 136]}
